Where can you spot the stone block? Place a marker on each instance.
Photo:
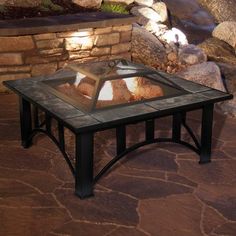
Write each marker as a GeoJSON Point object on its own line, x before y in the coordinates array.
{"type": "Point", "coordinates": [125, 36]}
{"type": "Point", "coordinates": [45, 36]}
{"type": "Point", "coordinates": [126, 56]}
{"type": "Point", "coordinates": [51, 52]}
{"type": "Point", "coordinates": [15, 44]}
{"type": "Point", "coordinates": [103, 30]}
{"type": "Point", "coordinates": [44, 69]}
{"type": "Point", "coordinates": [100, 51]}
{"type": "Point", "coordinates": [77, 43]}
{"type": "Point", "coordinates": [51, 43]}
{"type": "Point", "coordinates": [7, 59]}
{"type": "Point", "coordinates": [79, 33]}
{"type": "Point", "coordinates": [11, 77]}
{"type": "Point", "coordinates": [120, 48]}
{"type": "Point", "coordinates": [121, 28]}
{"type": "Point", "coordinates": [107, 39]}
{"type": "Point", "coordinates": [12, 69]}
{"type": "Point", "coordinates": [39, 59]}
{"type": "Point", "coordinates": [62, 64]}
{"type": "Point", "coordinates": [78, 55]}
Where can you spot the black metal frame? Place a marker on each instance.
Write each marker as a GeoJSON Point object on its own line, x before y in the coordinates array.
{"type": "Point", "coordinates": [83, 169]}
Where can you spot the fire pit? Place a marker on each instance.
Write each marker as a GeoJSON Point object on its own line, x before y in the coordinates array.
{"type": "Point", "coordinates": [109, 84]}
{"type": "Point", "coordinates": [87, 98]}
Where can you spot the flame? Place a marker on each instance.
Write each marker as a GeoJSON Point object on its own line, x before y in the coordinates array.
{"type": "Point", "coordinates": [79, 77]}
{"type": "Point", "coordinates": [131, 84]}
{"type": "Point", "coordinates": [106, 93]}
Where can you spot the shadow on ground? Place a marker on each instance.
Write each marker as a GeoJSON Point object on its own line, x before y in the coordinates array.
{"type": "Point", "coordinates": [158, 190]}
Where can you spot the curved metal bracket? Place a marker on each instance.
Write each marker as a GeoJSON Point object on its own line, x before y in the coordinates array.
{"type": "Point", "coordinates": [136, 146]}
{"type": "Point", "coordinates": [58, 144]}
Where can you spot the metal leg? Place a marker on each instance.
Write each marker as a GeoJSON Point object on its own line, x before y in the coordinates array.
{"type": "Point", "coordinates": [36, 116]}
{"type": "Point", "coordinates": [26, 122]}
{"type": "Point", "coordinates": [84, 165]}
{"type": "Point", "coordinates": [206, 134]}
{"type": "Point", "coordinates": [150, 130]}
{"type": "Point", "coordinates": [120, 139]}
{"type": "Point", "coordinates": [61, 136]}
{"type": "Point", "coordinates": [176, 127]}
{"type": "Point", "coordinates": [48, 120]}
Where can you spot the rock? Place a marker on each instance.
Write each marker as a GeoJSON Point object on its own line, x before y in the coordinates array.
{"type": "Point", "coordinates": [217, 50]}
{"type": "Point", "coordinates": [202, 17]}
{"type": "Point", "coordinates": [229, 107]}
{"type": "Point", "coordinates": [181, 8]}
{"type": "Point", "coordinates": [172, 56]}
{"type": "Point", "coordinates": [226, 31]}
{"type": "Point", "coordinates": [161, 9]}
{"type": "Point", "coordinates": [174, 36]}
{"type": "Point", "coordinates": [88, 3]}
{"type": "Point", "coordinates": [147, 3]}
{"type": "Point", "coordinates": [156, 28]}
{"type": "Point", "coordinates": [11, 59]}
{"type": "Point", "coordinates": [104, 40]}
{"type": "Point", "coordinates": [13, 44]}
{"type": "Point", "coordinates": [191, 54]}
{"type": "Point", "coordinates": [206, 73]}
{"type": "Point", "coordinates": [229, 74]}
{"type": "Point", "coordinates": [146, 48]}
{"type": "Point", "coordinates": [221, 10]}
{"type": "Point", "coordinates": [145, 14]}
{"type": "Point", "coordinates": [126, 2]}
{"type": "Point", "coordinates": [21, 3]}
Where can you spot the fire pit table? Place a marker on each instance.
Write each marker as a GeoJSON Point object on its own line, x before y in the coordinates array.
{"type": "Point", "coordinates": [91, 97]}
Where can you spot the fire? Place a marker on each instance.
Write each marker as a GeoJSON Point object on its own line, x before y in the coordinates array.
{"type": "Point", "coordinates": [116, 91]}
{"type": "Point", "coordinates": [106, 93]}
{"type": "Point", "coordinates": [131, 84]}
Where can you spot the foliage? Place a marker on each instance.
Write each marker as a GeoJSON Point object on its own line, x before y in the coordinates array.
{"type": "Point", "coordinates": [2, 9]}
{"type": "Point", "coordinates": [114, 7]}
{"type": "Point", "coordinates": [48, 5]}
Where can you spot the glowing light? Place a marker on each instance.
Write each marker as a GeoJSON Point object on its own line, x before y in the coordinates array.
{"type": "Point", "coordinates": [82, 42]}
{"type": "Point", "coordinates": [131, 84]}
{"type": "Point", "coordinates": [175, 36]}
{"type": "Point", "coordinates": [106, 93]}
{"type": "Point", "coordinates": [79, 77]}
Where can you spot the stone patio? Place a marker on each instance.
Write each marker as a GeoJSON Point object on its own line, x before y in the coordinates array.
{"type": "Point", "coordinates": [158, 190]}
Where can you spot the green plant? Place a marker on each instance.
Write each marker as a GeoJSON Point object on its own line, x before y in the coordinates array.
{"type": "Point", "coordinates": [48, 5]}
{"type": "Point", "coordinates": [2, 9]}
{"type": "Point", "coordinates": [114, 7]}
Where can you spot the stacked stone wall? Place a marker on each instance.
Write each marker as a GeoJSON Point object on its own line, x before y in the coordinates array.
{"type": "Point", "coordinates": [43, 54]}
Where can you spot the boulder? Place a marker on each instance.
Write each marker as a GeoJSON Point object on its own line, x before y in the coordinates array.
{"type": "Point", "coordinates": [219, 51]}
{"type": "Point", "coordinates": [226, 31]}
{"type": "Point", "coordinates": [126, 2]}
{"type": "Point", "coordinates": [147, 3]}
{"type": "Point", "coordinates": [161, 9]}
{"type": "Point", "coordinates": [206, 73]}
{"type": "Point", "coordinates": [181, 8]}
{"type": "Point", "coordinates": [21, 3]}
{"type": "Point", "coordinates": [229, 74]}
{"type": "Point", "coordinates": [221, 10]}
{"type": "Point", "coordinates": [202, 18]}
{"type": "Point", "coordinates": [88, 3]}
{"type": "Point", "coordinates": [146, 48]}
{"type": "Point", "coordinates": [156, 28]}
{"type": "Point", "coordinates": [145, 14]}
{"type": "Point", "coordinates": [229, 107]}
{"type": "Point", "coordinates": [174, 36]}
{"type": "Point", "coordinates": [191, 54]}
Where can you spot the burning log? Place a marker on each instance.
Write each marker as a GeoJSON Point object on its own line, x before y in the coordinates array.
{"type": "Point", "coordinates": [114, 91]}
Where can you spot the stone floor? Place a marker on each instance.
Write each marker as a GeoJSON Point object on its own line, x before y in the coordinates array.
{"type": "Point", "coordinates": [159, 190]}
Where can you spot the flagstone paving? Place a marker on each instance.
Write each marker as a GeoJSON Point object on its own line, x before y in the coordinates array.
{"type": "Point", "coordinates": [158, 190]}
